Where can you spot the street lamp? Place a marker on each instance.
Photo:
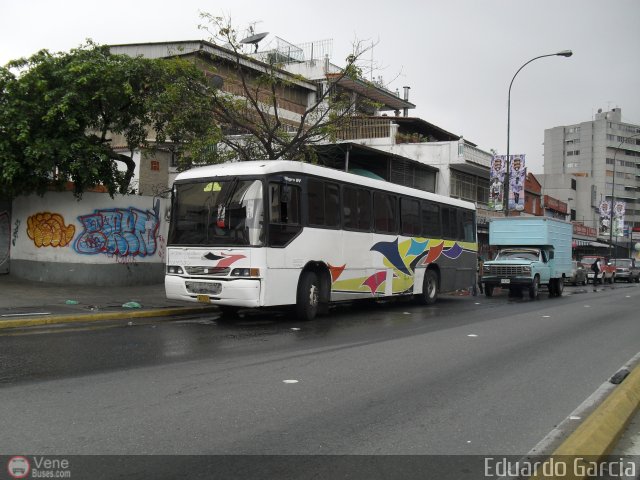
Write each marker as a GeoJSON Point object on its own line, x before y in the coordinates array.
{"type": "Point", "coordinates": [613, 192]}
{"type": "Point", "coordinates": [563, 53]}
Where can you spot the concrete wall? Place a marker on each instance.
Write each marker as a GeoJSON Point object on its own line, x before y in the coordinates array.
{"type": "Point", "coordinates": [97, 240]}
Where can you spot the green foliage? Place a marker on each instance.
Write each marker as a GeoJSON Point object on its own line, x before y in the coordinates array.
{"type": "Point", "coordinates": [62, 114]}
{"type": "Point", "coordinates": [254, 117]}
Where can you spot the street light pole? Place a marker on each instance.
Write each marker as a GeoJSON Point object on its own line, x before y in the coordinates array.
{"type": "Point", "coordinates": [563, 53]}
{"type": "Point", "coordinates": [613, 192]}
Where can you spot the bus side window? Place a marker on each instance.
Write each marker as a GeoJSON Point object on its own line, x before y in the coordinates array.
{"type": "Point", "coordinates": [323, 205]}
{"type": "Point", "coordinates": [430, 213]}
{"type": "Point", "coordinates": [384, 207]}
{"type": "Point", "coordinates": [409, 217]}
{"type": "Point", "coordinates": [469, 226]}
{"type": "Point", "coordinates": [332, 205]}
{"type": "Point", "coordinates": [284, 213]}
{"type": "Point", "coordinates": [450, 223]}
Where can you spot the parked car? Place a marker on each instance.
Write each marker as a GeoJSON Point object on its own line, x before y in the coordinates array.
{"type": "Point", "coordinates": [578, 274]}
{"type": "Point", "coordinates": [626, 269]}
{"type": "Point", "coordinates": [608, 272]}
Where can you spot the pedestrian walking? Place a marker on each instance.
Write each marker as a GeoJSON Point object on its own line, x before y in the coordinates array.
{"type": "Point", "coordinates": [479, 270]}
{"type": "Point", "coordinates": [595, 266]}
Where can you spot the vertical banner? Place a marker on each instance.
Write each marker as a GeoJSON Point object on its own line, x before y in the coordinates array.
{"type": "Point", "coordinates": [605, 216]}
{"type": "Point", "coordinates": [618, 219]}
{"type": "Point", "coordinates": [496, 182]}
{"type": "Point", "coordinates": [517, 175]}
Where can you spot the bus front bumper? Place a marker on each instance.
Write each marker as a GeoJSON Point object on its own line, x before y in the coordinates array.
{"type": "Point", "coordinates": [237, 292]}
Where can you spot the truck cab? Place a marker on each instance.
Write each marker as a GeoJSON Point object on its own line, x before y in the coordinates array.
{"type": "Point", "coordinates": [518, 267]}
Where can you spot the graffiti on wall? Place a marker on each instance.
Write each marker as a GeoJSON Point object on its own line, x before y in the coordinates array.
{"type": "Point", "coordinates": [5, 234]}
{"type": "Point", "coordinates": [48, 230]}
{"type": "Point", "coordinates": [119, 232]}
{"type": "Point", "coordinates": [16, 228]}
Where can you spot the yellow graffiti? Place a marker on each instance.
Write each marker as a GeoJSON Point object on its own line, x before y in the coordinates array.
{"type": "Point", "coordinates": [48, 230]}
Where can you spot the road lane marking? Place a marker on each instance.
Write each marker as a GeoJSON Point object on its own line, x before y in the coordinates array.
{"type": "Point", "coordinates": [290, 381]}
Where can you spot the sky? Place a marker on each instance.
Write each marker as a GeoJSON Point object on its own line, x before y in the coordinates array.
{"type": "Point", "coordinates": [458, 56]}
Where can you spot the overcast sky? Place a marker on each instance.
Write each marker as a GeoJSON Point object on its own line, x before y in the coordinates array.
{"type": "Point", "coordinates": [458, 56]}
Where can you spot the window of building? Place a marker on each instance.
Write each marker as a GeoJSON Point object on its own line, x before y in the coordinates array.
{"type": "Point", "coordinates": [155, 165]}
{"type": "Point", "coordinates": [574, 184]}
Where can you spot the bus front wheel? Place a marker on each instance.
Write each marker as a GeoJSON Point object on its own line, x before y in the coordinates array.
{"type": "Point", "coordinates": [429, 288]}
{"type": "Point", "coordinates": [308, 297]}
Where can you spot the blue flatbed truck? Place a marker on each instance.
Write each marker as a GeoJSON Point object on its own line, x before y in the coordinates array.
{"type": "Point", "coordinates": [532, 252]}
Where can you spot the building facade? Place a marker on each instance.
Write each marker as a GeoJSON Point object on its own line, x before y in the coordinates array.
{"type": "Point", "coordinates": [592, 162]}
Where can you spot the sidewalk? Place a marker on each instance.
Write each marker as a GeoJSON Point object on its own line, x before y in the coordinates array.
{"type": "Point", "coordinates": [26, 303]}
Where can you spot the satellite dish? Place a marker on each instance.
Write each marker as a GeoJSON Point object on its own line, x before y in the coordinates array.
{"type": "Point", "coordinates": [255, 38]}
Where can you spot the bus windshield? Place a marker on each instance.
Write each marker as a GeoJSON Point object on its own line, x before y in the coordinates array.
{"type": "Point", "coordinates": [210, 212]}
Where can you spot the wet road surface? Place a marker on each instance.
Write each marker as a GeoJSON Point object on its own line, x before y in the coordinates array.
{"type": "Point", "coordinates": [470, 375]}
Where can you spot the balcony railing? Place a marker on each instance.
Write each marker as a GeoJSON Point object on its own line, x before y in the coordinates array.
{"type": "Point", "coordinates": [358, 128]}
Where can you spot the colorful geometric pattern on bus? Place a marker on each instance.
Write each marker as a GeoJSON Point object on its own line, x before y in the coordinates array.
{"type": "Point", "coordinates": [402, 257]}
{"type": "Point", "coordinates": [225, 260]}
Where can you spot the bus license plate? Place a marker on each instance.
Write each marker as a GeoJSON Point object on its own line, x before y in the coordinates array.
{"type": "Point", "coordinates": [505, 281]}
{"type": "Point", "coordinates": [204, 299]}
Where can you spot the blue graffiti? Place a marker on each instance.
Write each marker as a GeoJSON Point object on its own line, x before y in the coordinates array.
{"type": "Point", "coordinates": [123, 232]}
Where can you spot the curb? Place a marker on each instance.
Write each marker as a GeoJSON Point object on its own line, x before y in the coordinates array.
{"type": "Point", "coordinates": [598, 434]}
{"type": "Point", "coordinates": [97, 317]}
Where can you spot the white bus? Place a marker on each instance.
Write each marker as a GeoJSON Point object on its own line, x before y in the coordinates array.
{"type": "Point", "coordinates": [273, 233]}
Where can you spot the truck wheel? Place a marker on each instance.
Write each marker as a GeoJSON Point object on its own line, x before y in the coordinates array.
{"type": "Point", "coordinates": [308, 297]}
{"type": "Point", "coordinates": [535, 287]}
{"type": "Point", "coordinates": [559, 286]}
{"type": "Point", "coordinates": [429, 288]}
{"type": "Point", "coordinates": [488, 290]}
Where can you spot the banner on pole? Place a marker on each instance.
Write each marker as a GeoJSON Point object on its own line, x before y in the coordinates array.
{"type": "Point", "coordinates": [496, 182]}
{"type": "Point", "coordinates": [619, 209]}
{"type": "Point", "coordinates": [605, 216]}
{"type": "Point", "coordinates": [517, 175]}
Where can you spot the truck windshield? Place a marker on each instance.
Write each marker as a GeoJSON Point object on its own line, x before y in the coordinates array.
{"type": "Point", "coordinates": [220, 212]}
{"type": "Point", "coordinates": [531, 255]}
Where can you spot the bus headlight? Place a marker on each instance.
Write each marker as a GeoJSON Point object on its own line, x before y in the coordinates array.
{"type": "Point", "coordinates": [245, 272]}
{"type": "Point", "coordinates": [174, 269]}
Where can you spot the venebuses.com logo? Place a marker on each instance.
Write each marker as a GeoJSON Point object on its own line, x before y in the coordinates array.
{"type": "Point", "coordinates": [18, 467]}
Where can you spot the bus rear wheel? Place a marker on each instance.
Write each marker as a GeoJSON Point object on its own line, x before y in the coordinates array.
{"type": "Point", "coordinates": [429, 293]}
{"type": "Point", "coordinates": [308, 297]}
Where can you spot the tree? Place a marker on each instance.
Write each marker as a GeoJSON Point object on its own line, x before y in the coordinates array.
{"type": "Point", "coordinates": [59, 115]}
{"type": "Point", "coordinates": [256, 111]}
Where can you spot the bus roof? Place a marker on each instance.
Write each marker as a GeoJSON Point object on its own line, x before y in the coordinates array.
{"type": "Point", "coordinates": [268, 167]}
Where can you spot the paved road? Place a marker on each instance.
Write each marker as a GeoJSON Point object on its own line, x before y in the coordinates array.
{"type": "Point", "coordinates": [470, 375]}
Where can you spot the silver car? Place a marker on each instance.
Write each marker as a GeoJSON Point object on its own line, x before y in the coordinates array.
{"type": "Point", "coordinates": [626, 269]}
{"type": "Point", "coordinates": [578, 274]}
